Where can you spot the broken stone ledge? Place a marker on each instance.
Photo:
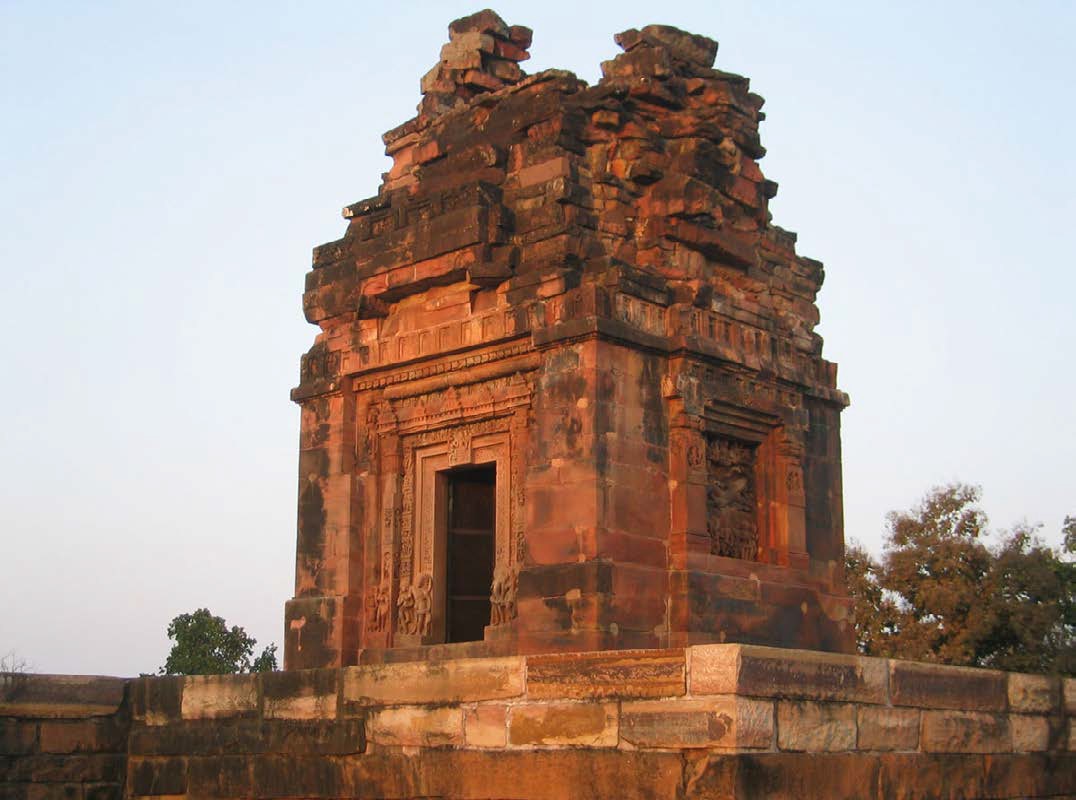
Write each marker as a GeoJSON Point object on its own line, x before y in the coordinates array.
{"type": "Point", "coordinates": [724, 720]}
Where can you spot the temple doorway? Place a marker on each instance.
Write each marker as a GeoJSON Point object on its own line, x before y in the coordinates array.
{"type": "Point", "coordinates": [471, 551]}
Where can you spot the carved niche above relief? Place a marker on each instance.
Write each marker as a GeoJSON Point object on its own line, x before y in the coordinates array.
{"type": "Point", "coordinates": [731, 498]}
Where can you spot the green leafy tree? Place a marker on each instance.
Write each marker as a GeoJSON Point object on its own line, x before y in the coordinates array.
{"type": "Point", "coordinates": [205, 645]}
{"type": "Point", "coordinates": [941, 593]}
{"type": "Point", "coordinates": [935, 566]}
{"type": "Point", "coordinates": [1032, 607]}
{"type": "Point", "coordinates": [875, 612]}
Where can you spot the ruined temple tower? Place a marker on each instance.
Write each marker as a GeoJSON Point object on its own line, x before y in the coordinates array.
{"type": "Point", "coordinates": [567, 393]}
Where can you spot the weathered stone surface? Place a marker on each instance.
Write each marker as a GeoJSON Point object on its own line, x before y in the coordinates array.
{"type": "Point", "coordinates": [1030, 734]}
{"type": "Point", "coordinates": [883, 728]}
{"type": "Point", "coordinates": [308, 694]}
{"type": "Point", "coordinates": [646, 673]}
{"type": "Point", "coordinates": [486, 725]}
{"type": "Point", "coordinates": [73, 696]}
{"type": "Point", "coordinates": [578, 724]}
{"type": "Point", "coordinates": [417, 726]}
{"type": "Point", "coordinates": [215, 696]}
{"type": "Point", "coordinates": [434, 682]}
{"type": "Point", "coordinates": [770, 672]}
{"type": "Point", "coordinates": [1068, 691]}
{"type": "Point", "coordinates": [965, 732]}
{"type": "Point", "coordinates": [815, 727]}
{"type": "Point", "coordinates": [723, 721]}
{"type": "Point", "coordinates": [932, 686]}
{"type": "Point", "coordinates": [1034, 693]}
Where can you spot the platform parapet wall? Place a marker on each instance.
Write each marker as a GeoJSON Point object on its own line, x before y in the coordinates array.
{"type": "Point", "coordinates": [724, 721]}
{"type": "Point", "coordinates": [63, 736]}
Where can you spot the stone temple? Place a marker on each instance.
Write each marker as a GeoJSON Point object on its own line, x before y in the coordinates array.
{"type": "Point", "coordinates": [566, 393]}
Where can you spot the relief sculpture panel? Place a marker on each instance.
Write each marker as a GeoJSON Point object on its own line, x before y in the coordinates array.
{"type": "Point", "coordinates": [731, 498]}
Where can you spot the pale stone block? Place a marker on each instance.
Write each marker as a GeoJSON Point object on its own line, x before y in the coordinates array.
{"type": "Point", "coordinates": [1033, 693]}
{"type": "Point", "coordinates": [1069, 694]}
{"type": "Point", "coordinates": [305, 705]}
{"type": "Point", "coordinates": [1030, 734]}
{"type": "Point", "coordinates": [416, 726]}
{"type": "Point", "coordinates": [486, 725]}
{"type": "Point", "coordinates": [883, 728]}
{"type": "Point", "coordinates": [964, 732]}
{"type": "Point", "coordinates": [582, 724]}
{"type": "Point", "coordinates": [776, 672]}
{"type": "Point", "coordinates": [434, 682]}
{"type": "Point", "coordinates": [816, 727]}
{"type": "Point", "coordinates": [914, 683]}
{"type": "Point", "coordinates": [718, 721]}
{"type": "Point", "coordinates": [213, 696]}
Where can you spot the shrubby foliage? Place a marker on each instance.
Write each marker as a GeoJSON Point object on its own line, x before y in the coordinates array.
{"type": "Point", "coordinates": [205, 645]}
{"type": "Point", "coordinates": [941, 593]}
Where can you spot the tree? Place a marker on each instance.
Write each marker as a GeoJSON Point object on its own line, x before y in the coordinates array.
{"type": "Point", "coordinates": [941, 593]}
{"type": "Point", "coordinates": [874, 611]}
{"type": "Point", "coordinates": [205, 645]}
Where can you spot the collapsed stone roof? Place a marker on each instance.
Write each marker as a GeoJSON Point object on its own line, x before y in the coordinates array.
{"type": "Point", "coordinates": [649, 176]}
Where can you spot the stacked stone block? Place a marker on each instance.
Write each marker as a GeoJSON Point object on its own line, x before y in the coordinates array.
{"type": "Point", "coordinates": [723, 721]}
{"type": "Point", "coordinates": [62, 736]}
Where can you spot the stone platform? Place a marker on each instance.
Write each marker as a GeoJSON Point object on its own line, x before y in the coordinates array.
{"type": "Point", "coordinates": [721, 721]}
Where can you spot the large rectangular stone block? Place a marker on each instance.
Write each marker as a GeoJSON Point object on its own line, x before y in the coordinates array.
{"type": "Point", "coordinates": [774, 672]}
{"type": "Point", "coordinates": [1034, 693]}
{"type": "Point", "coordinates": [59, 696]}
{"type": "Point", "coordinates": [434, 682]}
{"type": "Point", "coordinates": [1030, 734]}
{"type": "Point", "coordinates": [720, 721]}
{"type": "Point", "coordinates": [417, 726]}
{"type": "Point", "coordinates": [884, 728]}
{"type": "Point", "coordinates": [628, 673]}
{"type": "Point", "coordinates": [305, 694]}
{"type": "Point", "coordinates": [216, 696]}
{"type": "Point", "coordinates": [579, 724]}
{"type": "Point", "coordinates": [965, 732]}
{"type": "Point", "coordinates": [486, 725]}
{"type": "Point", "coordinates": [913, 683]}
{"type": "Point", "coordinates": [816, 727]}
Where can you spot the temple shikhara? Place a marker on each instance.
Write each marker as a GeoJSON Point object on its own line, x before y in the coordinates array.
{"type": "Point", "coordinates": [566, 394]}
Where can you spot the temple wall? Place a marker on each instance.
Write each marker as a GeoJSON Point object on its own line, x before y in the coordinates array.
{"type": "Point", "coordinates": [722, 721]}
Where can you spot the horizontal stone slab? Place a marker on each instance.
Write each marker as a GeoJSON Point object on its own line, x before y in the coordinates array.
{"type": "Point", "coordinates": [772, 672]}
{"type": "Point", "coordinates": [563, 724]}
{"type": "Point", "coordinates": [1034, 693]}
{"type": "Point", "coordinates": [913, 683]}
{"type": "Point", "coordinates": [417, 726]}
{"type": "Point", "coordinates": [720, 721]}
{"type": "Point", "coordinates": [217, 696]}
{"type": "Point", "coordinates": [965, 732]}
{"type": "Point", "coordinates": [434, 682]}
{"type": "Point", "coordinates": [59, 696]}
{"type": "Point", "coordinates": [884, 728]}
{"type": "Point", "coordinates": [812, 727]}
{"type": "Point", "coordinates": [628, 673]}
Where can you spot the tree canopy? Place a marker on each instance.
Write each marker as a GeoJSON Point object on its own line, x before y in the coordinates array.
{"type": "Point", "coordinates": [205, 645]}
{"type": "Point", "coordinates": [941, 592]}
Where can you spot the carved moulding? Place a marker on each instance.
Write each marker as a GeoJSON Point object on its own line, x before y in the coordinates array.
{"type": "Point", "coordinates": [480, 423]}
{"type": "Point", "coordinates": [754, 505]}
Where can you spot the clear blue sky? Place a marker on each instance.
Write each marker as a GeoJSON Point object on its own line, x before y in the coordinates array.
{"type": "Point", "coordinates": [166, 168]}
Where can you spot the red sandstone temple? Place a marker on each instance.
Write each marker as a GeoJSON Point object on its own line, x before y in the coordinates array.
{"type": "Point", "coordinates": [567, 393]}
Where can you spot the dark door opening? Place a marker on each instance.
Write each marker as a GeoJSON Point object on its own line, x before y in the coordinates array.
{"type": "Point", "coordinates": [472, 502]}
